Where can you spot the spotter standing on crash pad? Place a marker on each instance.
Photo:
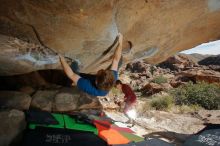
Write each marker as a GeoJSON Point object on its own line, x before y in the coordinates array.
{"type": "Point", "coordinates": [102, 82]}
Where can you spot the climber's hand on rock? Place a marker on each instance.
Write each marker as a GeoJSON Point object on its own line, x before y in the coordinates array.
{"type": "Point", "coordinates": [120, 38]}
{"type": "Point", "coordinates": [61, 57]}
{"type": "Point", "coordinates": [62, 60]}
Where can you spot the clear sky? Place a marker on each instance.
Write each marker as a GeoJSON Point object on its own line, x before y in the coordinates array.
{"type": "Point", "coordinates": [212, 48]}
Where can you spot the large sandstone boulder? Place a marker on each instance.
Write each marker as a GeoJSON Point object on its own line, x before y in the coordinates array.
{"type": "Point", "coordinates": [70, 99]}
{"type": "Point", "coordinates": [12, 125]}
{"type": "Point", "coordinates": [137, 67]}
{"type": "Point", "coordinates": [178, 62]}
{"type": "Point", "coordinates": [32, 31]}
{"type": "Point", "coordinates": [199, 74]}
{"type": "Point", "coordinates": [14, 100]}
{"type": "Point", "coordinates": [43, 100]}
{"type": "Point", "coordinates": [153, 88]}
{"type": "Point", "coordinates": [66, 100]}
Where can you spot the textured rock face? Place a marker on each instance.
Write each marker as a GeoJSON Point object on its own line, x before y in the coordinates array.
{"type": "Point", "coordinates": [152, 88]}
{"type": "Point", "coordinates": [31, 31]}
{"type": "Point", "coordinates": [12, 125]}
{"type": "Point", "coordinates": [43, 100]}
{"type": "Point", "coordinates": [178, 62]}
{"type": "Point", "coordinates": [198, 74]}
{"type": "Point", "coordinates": [14, 100]}
{"type": "Point", "coordinates": [70, 99]}
{"type": "Point", "coordinates": [64, 99]}
{"type": "Point", "coordinates": [65, 102]}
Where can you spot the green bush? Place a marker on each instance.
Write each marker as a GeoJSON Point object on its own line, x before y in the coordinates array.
{"type": "Point", "coordinates": [201, 94]}
{"type": "Point", "coordinates": [162, 103]}
{"type": "Point", "coordinates": [160, 79]}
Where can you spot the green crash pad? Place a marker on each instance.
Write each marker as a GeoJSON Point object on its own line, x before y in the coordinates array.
{"type": "Point", "coordinates": [132, 137]}
{"type": "Point", "coordinates": [58, 117]}
{"type": "Point", "coordinates": [72, 123]}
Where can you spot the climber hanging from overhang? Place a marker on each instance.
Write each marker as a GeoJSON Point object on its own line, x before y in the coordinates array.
{"type": "Point", "coordinates": [99, 84]}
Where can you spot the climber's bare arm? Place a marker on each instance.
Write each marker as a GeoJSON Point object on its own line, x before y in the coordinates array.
{"type": "Point", "coordinates": [74, 77]}
{"type": "Point", "coordinates": [117, 54]}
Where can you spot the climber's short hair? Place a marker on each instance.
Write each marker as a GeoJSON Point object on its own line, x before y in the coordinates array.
{"type": "Point", "coordinates": [118, 82]}
{"type": "Point", "coordinates": [104, 79]}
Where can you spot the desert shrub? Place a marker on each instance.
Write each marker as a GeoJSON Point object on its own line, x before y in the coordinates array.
{"type": "Point", "coordinates": [162, 102]}
{"type": "Point", "coordinates": [201, 94]}
{"type": "Point", "coordinates": [144, 107]}
{"type": "Point", "coordinates": [160, 79]}
{"type": "Point", "coordinates": [188, 108]}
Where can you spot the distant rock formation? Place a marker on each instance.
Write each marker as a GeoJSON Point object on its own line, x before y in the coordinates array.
{"type": "Point", "coordinates": [212, 60]}
{"type": "Point", "coordinates": [175, 71]}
